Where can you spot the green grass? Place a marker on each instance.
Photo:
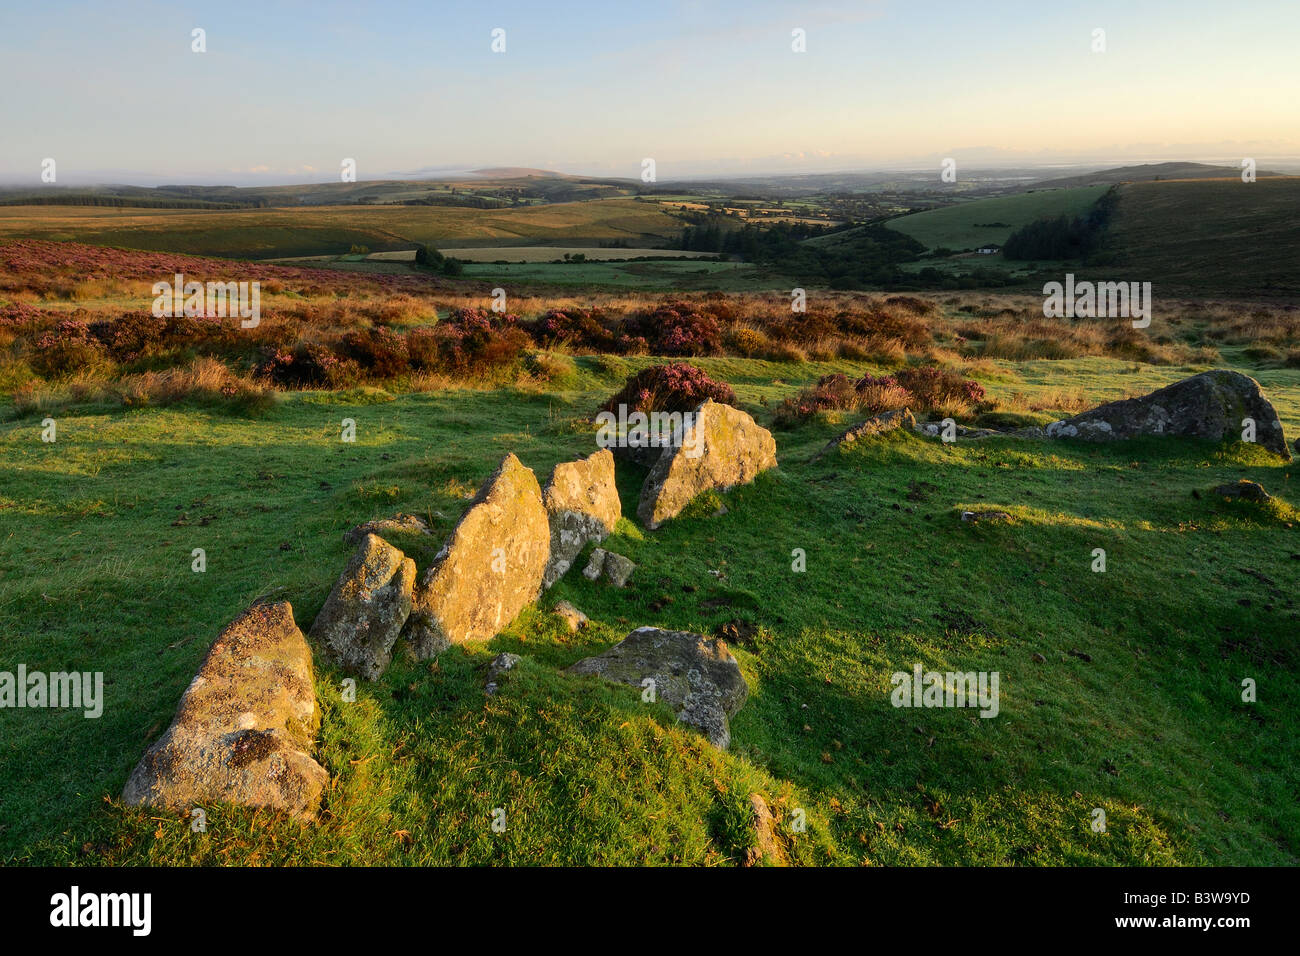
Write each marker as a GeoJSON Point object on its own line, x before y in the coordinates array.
{"type": "Point", "coordinates": [956, 227]}
{"type": "Point", "coordinates": [95, 539]}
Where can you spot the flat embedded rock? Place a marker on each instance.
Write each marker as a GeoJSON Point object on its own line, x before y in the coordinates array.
{"type": "Point", "coordinates": [1245, 490]}
{"type": "Point", "coordinates": [243, 731]}
{"type": "Point", "coordinates": [1209, 406]}
{"type": "Point", "coordinates": [723, 448]}
{"type": "Point", "coordinates": [876, 425]}
{"type": "Point", "coordinates": [489, 569]}
{"type": "Point", "coordinates": [397, 524]}
{"type": "Point", "coordinates": [695, 675]}
{"type": "Point", "coordinates": [365, 613]}
{"type": "Point", "coordinates": [582, 505]}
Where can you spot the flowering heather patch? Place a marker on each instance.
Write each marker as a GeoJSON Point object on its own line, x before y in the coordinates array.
{"type": "Point", "coordinates": [307, 365]}
{"type": "Point", "coordinates": [67, 347]}
{"type": "Point", "coordinates": [676, 387]}
{"type": "Point", "coordinates": [579, 329]}
{"type": "Point", "coordinates": [920, 389]}
{"type": "Point", "coordinates": [381, 352]}
{"type": "Point", "coordinates": [933, 387]}
{"type": "Point", "coordinates": [475, 339]}
{"type": "Point", "coordinates": [677, 328]}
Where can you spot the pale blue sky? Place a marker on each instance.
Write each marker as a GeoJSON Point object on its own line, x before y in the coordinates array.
{"type": "Point", "coordinates": [287, 89]}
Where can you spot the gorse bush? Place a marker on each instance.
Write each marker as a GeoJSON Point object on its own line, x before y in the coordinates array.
{"type": "Point", "coordinates": [676, 387]}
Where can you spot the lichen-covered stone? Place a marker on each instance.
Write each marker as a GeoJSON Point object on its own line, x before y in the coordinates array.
{"type": "Point", "coordinates": [1211, 406]}
{"type": "Point", "coordinates": [582, 505]}
{"type": "Point", "coordinates": [365, 613]}
{"type": "Point", "coordinates": [489, 569]}
{"type": "Point", "coordinates": [695, 675]}
{"type": "Point", "coordinates": [243, 731]}
{"type": "Point", "coordinates": [615, 568]}
{"type": "Point", "coordinates": [723, 448]}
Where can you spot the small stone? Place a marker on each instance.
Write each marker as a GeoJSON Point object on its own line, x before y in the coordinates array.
{"type": "Point", "coordinates": [1243, 490]}
{"type": "Point", "coordinates": [617, 569]}
{"type": "Point", "coordinates": [500, 664]}
{"type": "Point", "coordinates": [1039, 658]}
{"type": "Point", "coordinates": [570, 615]}
{"type": "Point", "coordinates": [594, 564]}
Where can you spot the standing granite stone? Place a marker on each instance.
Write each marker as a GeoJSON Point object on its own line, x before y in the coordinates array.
{"type": "Point", "coordinates": [695, 675]}
{"type": "Point", "coordinates": [581, 505]}
{"type": "Point", "coordinates": [723, 448]}
{"type": "Point", "coordinates": [1211, 406]}
{"type": "Point", "coordinates": [490, 568]}
{"type": "Point", "coordinates": [364, 614]}
{"type": "Point", "coordinates": [243, 731]}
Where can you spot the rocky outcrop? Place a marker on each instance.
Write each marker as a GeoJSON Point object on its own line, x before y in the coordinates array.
{"type": "Point", "coordinates": [243, 731]}
{"type": "Point", "coordinates": [695, 675]}
{"type": "Point", "coordinates": [581, 505]}
{"type": "Point", "coordinates": [722, 448]}
{"type": "Point", "coordinates": [365, 613]}
{"type": "Point", "coordinates": [489, 569]}
{"type": "Point", "coordinates": [1211, 406]}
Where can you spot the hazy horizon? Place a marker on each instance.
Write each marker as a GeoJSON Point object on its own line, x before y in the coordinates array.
{"type": "Point", "coordinates": [285, 92]}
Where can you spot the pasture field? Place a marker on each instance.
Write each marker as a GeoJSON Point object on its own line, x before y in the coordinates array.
{"type": "Point", "coordinates": [967, 225]}
{"type": "Point", "coordinates": [1135, 708]}
{"type": "Point", "coordinates": [333, 230]}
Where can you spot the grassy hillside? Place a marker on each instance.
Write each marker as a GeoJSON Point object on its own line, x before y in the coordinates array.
{"type": "Point", "coordinates": [1135, 707]}
{"type": "Point", "coordinates": [1216, 237]}
{"type": "Point", "coordinates": [308, 231]}
{"type": "Point", "coordinates": [959, 227]}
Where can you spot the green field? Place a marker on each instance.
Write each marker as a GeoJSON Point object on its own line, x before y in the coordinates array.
{"type": "Point", "coordinates": [1135, 707]}
{"type": "Point", "coordinates": [331, 230]}
{"type": "Point", "coordinates": [958, 227]}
